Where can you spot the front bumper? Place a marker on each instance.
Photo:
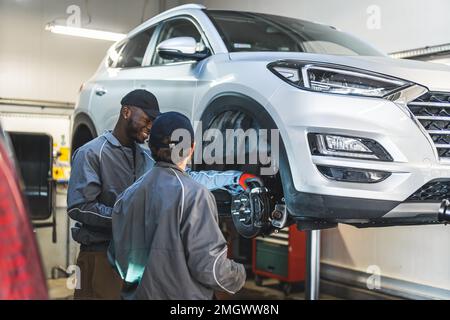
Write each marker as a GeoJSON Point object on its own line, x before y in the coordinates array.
{"type": "Point", "coordinates": [415, 158]}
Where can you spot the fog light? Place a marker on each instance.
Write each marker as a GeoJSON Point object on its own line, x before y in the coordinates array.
{"type": "Point", "coordinates": [349, 147]}
{"type": "Point", "coordinates": [353, 174]}
{"type": "Point", "coordinates": [345, 144]}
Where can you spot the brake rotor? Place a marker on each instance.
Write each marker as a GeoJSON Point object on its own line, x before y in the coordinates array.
{"type": "Point", "coordinates": [250, 212]}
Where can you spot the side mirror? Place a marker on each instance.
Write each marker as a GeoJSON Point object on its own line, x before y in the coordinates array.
{"type": "Point", "coordinates": [183, 48]}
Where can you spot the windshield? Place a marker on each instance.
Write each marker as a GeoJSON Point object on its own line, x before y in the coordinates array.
{"type": "Point", "coordinates": [245, 31]}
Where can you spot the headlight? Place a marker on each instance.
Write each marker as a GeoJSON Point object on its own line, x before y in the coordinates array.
{"type": "Point", "coordinates": [329, 78]}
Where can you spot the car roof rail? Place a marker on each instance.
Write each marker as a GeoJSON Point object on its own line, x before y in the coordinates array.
{"type": "Point", "coordinates": [187, 6]}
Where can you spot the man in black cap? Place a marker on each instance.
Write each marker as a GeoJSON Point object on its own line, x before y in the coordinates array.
{"type": "Point", "coordinates": [101, 170]}
{"type": "Point", "coordinates": [167, 244]}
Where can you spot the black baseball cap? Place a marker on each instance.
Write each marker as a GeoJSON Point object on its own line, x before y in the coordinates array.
{"type": "Point", "coordinates": [144, 100]}
{"type": "Point", "coordinates": [165, 125]}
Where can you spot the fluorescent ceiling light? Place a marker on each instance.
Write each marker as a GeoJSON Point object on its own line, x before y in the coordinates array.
{"type": "Point", "coordinates": [85, 33]}
{"type": "Point", "coordinates": [420, 52]}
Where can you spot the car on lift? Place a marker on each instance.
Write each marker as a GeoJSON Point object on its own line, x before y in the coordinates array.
{"type": "Point", "coordinates": [21, 275]}
{"type": "Point", "coordinates": [365, 138]}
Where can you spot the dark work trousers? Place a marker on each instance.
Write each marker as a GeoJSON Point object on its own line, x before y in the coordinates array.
{"type": "Point", "coordinates": [99, 281]}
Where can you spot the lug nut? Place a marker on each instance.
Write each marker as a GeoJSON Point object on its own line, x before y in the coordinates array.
{"type": "Point", "coordinates": [277, 215]}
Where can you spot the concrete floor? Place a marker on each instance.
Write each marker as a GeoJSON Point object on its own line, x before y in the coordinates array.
{"type": "Point", "coordinates": [268, 291]}
{"type": "Point", "coordinates": [57, 289]}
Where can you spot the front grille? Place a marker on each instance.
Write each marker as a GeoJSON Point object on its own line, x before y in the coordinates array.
{"type": "Point", "coordinates": [433, 112]}
{"type": "Point", "coordinates": [436, 190]}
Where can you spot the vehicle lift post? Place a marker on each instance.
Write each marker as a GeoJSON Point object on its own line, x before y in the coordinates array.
{"type": "Point", "coordinates": [312, 265]}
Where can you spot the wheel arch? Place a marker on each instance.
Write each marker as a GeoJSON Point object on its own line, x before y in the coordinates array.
{"type": "Point", "coordinates": [232, 101]}
{"type": "Point", "coordinates": [83, 131]}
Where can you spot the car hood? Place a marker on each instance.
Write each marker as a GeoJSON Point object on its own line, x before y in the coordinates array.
{"type": "Point", "coordinates": [435, 76]}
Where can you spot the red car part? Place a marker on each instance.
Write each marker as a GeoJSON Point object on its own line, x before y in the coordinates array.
{"type": "Point", "coordinates": [21, 274]}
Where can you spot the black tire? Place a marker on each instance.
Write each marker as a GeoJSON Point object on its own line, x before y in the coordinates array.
{"type": "Point", "coordinates": [83, 131]}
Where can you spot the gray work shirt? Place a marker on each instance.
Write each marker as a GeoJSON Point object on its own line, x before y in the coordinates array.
{"type": "Point", "coordinates": [101, 170]}
{"type": "Point", "coordinates": [167, 244]}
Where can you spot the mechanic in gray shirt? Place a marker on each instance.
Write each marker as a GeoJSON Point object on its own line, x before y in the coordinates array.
{"type": "Point", "coordinates": [168, 244]}
{"type": "Point", "coordinates": [101, 170]}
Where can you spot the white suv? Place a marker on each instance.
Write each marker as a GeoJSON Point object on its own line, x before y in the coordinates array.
{"type": "Point", "coordinates": [365, 138]}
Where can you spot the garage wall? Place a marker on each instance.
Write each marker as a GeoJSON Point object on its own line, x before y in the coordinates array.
{"type": "Point", "coordinates": [403, 24]}
{"type": "Point", "coordinates": [39, 65]}
{"type": "Point", "coordinates": [411, 254]}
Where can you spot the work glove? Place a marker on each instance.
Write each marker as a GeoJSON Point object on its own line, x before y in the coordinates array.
{"type": "Point", "coordinates": [247, 180]}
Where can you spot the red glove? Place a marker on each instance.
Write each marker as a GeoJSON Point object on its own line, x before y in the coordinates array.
{"type": "Point", "coordinates": [247, 178]}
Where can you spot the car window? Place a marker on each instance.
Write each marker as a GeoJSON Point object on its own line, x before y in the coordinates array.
{"type": "Point", "coordinates": [245, 31]}
{"type": "Point", "coordinates": [173, 29]}
{"type": "Point", "coordinates": [113, 56]}
{"type": "Point", "coordinates": [327, 46]}
{"type": "Point", "coordinates": [133, 51]}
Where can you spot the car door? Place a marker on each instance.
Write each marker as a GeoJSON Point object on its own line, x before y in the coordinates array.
{"type": "Point", "coordinates": [124, 63]}
{"type": "Point", "coordinates": [173, 81]}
